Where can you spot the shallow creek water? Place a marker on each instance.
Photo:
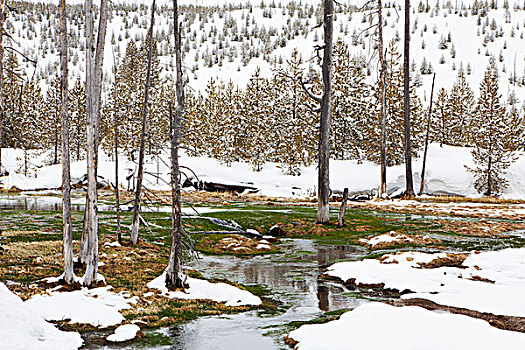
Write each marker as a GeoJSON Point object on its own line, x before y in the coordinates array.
{"type": "Point", "coordinates": [293, 277]}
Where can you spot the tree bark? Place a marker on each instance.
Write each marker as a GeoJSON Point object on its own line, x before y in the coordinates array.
{"type": "Point", "coordinates": [93, 106]}
{"type": "Point", "coordinates": [323, 183]}
{"type": "Point", "coordinates": [422, 187]}
{"type": "Point", "coordinates": [117, 196]}
{"type": "Point", "coordinates": [2, 21]}
{"type": "Point", "coordinates": [408, 145]}
{"type": "Point", "coordinates": [91, 240]}
{"type": "Point", "coordinates": [382, 79]}
{"type": "Point", "coordinates": [342, 210]}
{"type": "Point", "coordinates": [142, 146]}
{"type": "Point", "coordinates": [69, 276]}
{"type": "Point", "coordinates": [174, 271]}
{"type": "Point", "coordinates": [99, 63]}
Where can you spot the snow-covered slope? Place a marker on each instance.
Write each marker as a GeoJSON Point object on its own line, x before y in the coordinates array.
{"type": "Point", "coordinates": [259, 32]}
{"type": "Point", "coordinates": [22, 328]}
{"type": "Point", "coordinates": [446, 174]}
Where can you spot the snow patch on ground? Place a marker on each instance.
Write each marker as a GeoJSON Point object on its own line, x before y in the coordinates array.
{"type": "Point", "coordinates": [202, 289]}
{"type": "Point", "coordinates": [124, 333]}
{"type": "Point", "coordinates": [385, 238]}
{"type": "Point", "coordinates": [412, 259]}
{"type": "Point", "coordinates": [380, 326]}
{"type": "Point", "coordinates": [450, 286]}
{"type": "Point", "coordinates": [98, 307]}
{"type": "Point", "coordinates": [22, 328]}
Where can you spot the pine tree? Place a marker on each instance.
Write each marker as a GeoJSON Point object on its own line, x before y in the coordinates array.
{"type": "Point", "coordinates": [52, 124]}
{"type": "Point", "coordinates": [77, 121]}
{"type": "Point", "coordinates": [257, 119]}
{"type": "Point", "coordinates": [495, 135]}
{"type": "Point", "coordinates": [293, 134]}
{"type": "Point", "coordinates": [350, 104]}
{"type": "Point", "coordinates": [441, 114]}
{"type": "Point", "coordinates": [125, 103]}
{"type": "Point", "coordinates": [461, 105]}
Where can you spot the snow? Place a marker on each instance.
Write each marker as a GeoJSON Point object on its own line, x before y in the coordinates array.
{"type": "Point", "coordinates": [446, 174]}
{"type": "Point", "coordinates": [22, 328]}
{"type": "Point", "coordinates": [413, 259]}
{"type": "Point", "coordinates": [390, 237]}
{"type": "Point", "coordinates": [202, 289]}
{"type": "Point", "coordinates": [98, 307]}
{"type": "Point", "coordinates": [463, 29]}
{"type": "Point", "coordinates": [449, 286]}
{"type": "Point", "coordinates": [380, 326]}
{"type": "Point", "coordinates": [124, 333]}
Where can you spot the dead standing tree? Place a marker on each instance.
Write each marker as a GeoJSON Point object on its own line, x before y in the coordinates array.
{"type": "Point", "coordinates": [173, 273]}
{"type": "Point", "coordinates": [69, 275]}
{"type": "Point", "coordinates": [406, 69]}
{"type": "Point", "coordinates": [94, 60]}
{"type": "Point", "coordinates": [142, 146]}
{"type": "Point", "coordinates": [427, 136]}
{"type": "Point", "coordinates": [323, 178]}
{"type": "Point", "coordinates": [2, 22]}
{"type": "Point", "coordinates": [382, 82]}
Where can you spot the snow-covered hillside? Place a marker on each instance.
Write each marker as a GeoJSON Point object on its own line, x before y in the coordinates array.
{"type": "Point", "coordinates": [446, 174]}
{"type": "Point", "coordinates": [230, 39]}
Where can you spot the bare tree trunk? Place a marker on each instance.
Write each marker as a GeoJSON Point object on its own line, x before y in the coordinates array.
{"type": "Point", "coordinates": [117, 197]}
{"type": "Point", "coordinates": [323, 184]}
{"type": "Point", "coordinates": [69, 276]}
{"type": "Point", "coordinates": [408, 145]}
{"type": "Point", "coordinates": [489, 177]}
{"type": "Point", "coordinates": [99, 62]}
{"type": "Point", "coordinates": [93, 104]}
{"type": "Point", "coordinates": [55, 159]}
{"type": "Point", "coordinates": [173, 273]}
{"type": "Point", "coordinates": [142, 146]}
{"type": "Point", "coordinates": [422, 188]}
{"type": "Point", "coordinates": [2, 20]}
{"type": "Point", "coordinates": [382, 78]}
{"type": "Point", "coordinates": [91, 240]}
{"type": "Point", "coordinates": [342, 210]}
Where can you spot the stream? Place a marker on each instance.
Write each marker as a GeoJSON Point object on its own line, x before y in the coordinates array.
{"type": "Point", "coordinates": [293, 277]}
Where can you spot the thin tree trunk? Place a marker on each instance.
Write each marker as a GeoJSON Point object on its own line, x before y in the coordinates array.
{"type": "Point", "coordinates": [342, 210]}
{"type": "Point", "coordinates": [406, 68]}
{"type": "Point", "coordinates": [140, 175]}
{"type": "Point", "coordinates": [25, 161]}
{"type": "Point", "coordinates": [421, 189]}
{"type": "Point", "coordinates": [55, 160]}
{"type": "Point", "coordinates": [173, 273]}
{"type": "Point", "coordinates": [323, 184]}
{"type": "Point", "coordinates": [117, 197]}
{"type": "Point", "coordinates": [489, 178]}
{"type": "Point", "coordinates": [382, 79]}
{"type": "Point", "coordinates": [2, 20]}
{"type": "Point", "coordinates": [69, 276]}
{"type": "Point", "coordinates": [91, 240]}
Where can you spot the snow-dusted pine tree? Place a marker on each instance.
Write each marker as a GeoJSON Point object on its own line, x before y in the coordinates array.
{"type": "Point", "coordinates": [461, 107]}
{"type": "Point", "coordinates": [77, 120]}
{"type": "Point", "coordinates": [350, 104]}
{"type": "Point", "coordinates": [495, 135]}
{"type": "Point", "coordinates": [441, 115]}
